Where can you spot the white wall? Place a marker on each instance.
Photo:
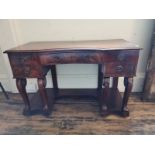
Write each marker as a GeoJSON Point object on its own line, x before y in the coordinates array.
{"type": "Point", "coordinates": [7, 40]}
{"type": "Point", "coordinates": [18, 32]}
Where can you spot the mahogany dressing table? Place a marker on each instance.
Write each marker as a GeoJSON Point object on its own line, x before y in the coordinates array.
{"type": "Point", "coordinates": [115, 58]}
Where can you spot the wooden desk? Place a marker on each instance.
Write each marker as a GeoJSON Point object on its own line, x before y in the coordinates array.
{"type": "Point", "coordinates": [115, 58]}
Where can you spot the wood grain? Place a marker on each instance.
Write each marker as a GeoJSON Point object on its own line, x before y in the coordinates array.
{"type": "Point", "coordinates": [84, 44]}
{"type": "Point", "coordinates": [78, 118]}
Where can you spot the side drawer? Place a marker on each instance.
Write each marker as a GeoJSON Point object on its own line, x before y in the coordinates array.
{"type": "Point", "coordinates": [119, 69]}
{"type": "Point", "coordinates": [25, 65]}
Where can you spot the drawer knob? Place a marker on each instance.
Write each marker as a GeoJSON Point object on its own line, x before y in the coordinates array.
{"type": "Point", "coordinates": [119, 68]}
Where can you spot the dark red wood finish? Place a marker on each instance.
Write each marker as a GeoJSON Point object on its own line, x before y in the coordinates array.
{"type": "Point", "coordinates": [27, 63]}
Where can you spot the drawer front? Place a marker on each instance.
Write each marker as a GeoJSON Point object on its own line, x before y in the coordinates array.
{"type": "Point", "coordinates": [66, 58]}
{"type": "Point", "coordinates": [119, 69]}
{"type": "Point", "coordinates": [89, 57]}
{"type": "Point", "coordinates": [121, 56]}
{"type": "Point", "coordinates": [25, 65]}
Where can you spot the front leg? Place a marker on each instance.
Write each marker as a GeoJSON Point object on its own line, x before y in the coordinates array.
{"type": "Point", "coordinates": [128, 82]}
{"type": "Point", "coordinates": [43, 93]}
{"type": "Point", "coordinates": [21, 86]}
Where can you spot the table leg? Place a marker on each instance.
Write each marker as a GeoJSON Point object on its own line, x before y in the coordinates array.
{"type": "Point", "coordinates": [128, 82]}
{"type": "Point", "coordinates": [21, 86]}
{"type": "Point", "coordinates": [43, 93]}
{"type": "Point", "coordinates": [100, 77]}
{"type": "Point", "coordinates": [115, 83]}
{"type": "Point", "coordinates": [54, 80]}
{"type": "Point", "coordinates": [99, 87]}
{"type": "Point", "coordinates": [104, 108]}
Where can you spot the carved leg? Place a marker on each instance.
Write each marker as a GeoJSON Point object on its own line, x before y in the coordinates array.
{"type": "Point", "coordinates": [21, 86]}
{"type": "Point", "coordinates": [43, 93]}
{"type": "Point", "coordinates": [104, 108]}
{"type": "Point", "coordinates": [128, 82]}
{"type": "Point", "coordinates": [54, 80]}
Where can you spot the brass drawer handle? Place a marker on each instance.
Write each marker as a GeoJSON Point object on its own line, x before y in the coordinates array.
{"type": "Point", "coordinates": [119, 68]}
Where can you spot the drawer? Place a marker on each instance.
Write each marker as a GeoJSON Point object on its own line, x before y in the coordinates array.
{"type": "Point", "coordinates": [22, 59]}
{"type": "Point", "coordinates": [89, 57]}
{"type": "Point", "coordinates": [25, 65]}
{"type": "Point", "coordinates": [70, 57]}
{"type": "Point", "coordinates": [121, 56]}
{"type": "Point", "coordinates": [119, 69]}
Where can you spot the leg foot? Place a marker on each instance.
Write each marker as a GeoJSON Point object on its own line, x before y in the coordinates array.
{"type": "Point", "coordinates": [104, 111]}
{"type": "Point", "coordinates": [125, 112]}
{"type": "Point", "coordinates": [26, 111]}
{"type": "Point", "coordinates": [46, 111]}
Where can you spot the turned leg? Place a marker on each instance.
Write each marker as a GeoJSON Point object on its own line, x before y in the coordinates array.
{"type": "Point", "coordinates": [104, 108]}
{"type": "Point", "coordinates": [128, 82]}
{"type": "Point", "coordinates": [54, 80]}
{"type": "Point", "coordinates": [43, 93]}
{"type": "Point", "coordinates": [21, 86]}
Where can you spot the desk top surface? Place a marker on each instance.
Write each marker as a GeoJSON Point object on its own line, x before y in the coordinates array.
{"type": "Point", "coordinates": [113, 44]}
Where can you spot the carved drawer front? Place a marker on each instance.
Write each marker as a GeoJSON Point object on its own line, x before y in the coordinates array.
{"type": "Point", "coordinates": [119, 69]}
{"type": "Point", "coordinates": [25, 65]}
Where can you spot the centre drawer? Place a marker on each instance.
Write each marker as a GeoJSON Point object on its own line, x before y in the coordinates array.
{"type": "Point", "coordinates": [70, 57]}
{"type": "Point", "coordinates": [89, 56]}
